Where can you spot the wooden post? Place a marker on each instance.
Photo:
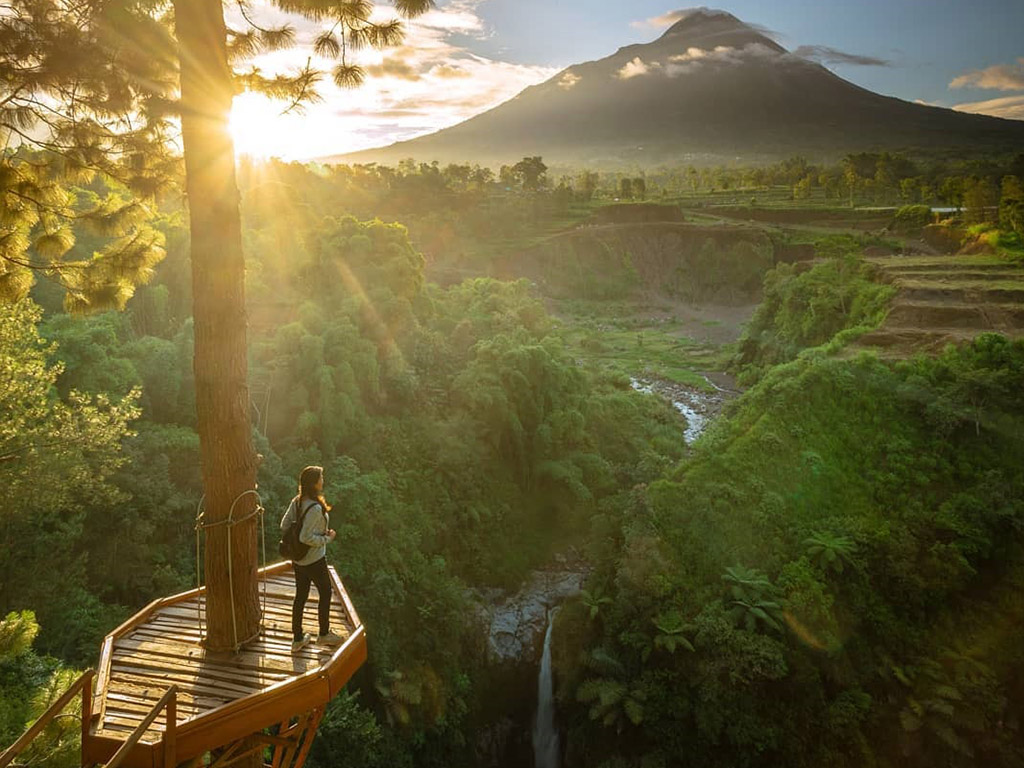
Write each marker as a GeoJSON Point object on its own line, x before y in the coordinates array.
{"type": "Point", "coordinates": [170, 730]}
{"type": "Point", "coordinates": [86, 711]}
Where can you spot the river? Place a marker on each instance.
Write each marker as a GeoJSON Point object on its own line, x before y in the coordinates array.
{"type": "Point", "coordinates": [699, 406]}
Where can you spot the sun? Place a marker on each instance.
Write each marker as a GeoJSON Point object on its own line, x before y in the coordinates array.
{"type": "Point", "coordinates": [259, 130]}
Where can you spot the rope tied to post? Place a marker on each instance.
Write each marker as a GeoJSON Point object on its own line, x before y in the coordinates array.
{"type": "Point", "coordinates": [230, 522]}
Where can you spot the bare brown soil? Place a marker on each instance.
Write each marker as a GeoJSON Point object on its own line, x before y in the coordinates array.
{"type": "Point", "coordinates": [720, 264]}
{"type": "Point", "coordinates": [717, 324]}
{"type": "Point", "coordinates": [812, 217]}
{"type": "Point", "coordinates": [946, 300]}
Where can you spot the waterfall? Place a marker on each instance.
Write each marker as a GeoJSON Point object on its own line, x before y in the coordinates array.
{"type": "Point", "coordinates": [545, 735]}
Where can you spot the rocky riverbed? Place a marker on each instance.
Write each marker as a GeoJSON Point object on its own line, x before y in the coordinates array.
{"type": "Point", "coordinates": [515, 624]}
{"type": "Point", "coordinates": [699, 406]}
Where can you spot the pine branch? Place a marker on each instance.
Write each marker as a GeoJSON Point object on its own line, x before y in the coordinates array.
{"type": "Point", "coordinates": [58, 267]}
{"type": "Point", "coordinates": [269, 38]}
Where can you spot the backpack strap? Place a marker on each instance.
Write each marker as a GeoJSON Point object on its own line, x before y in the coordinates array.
{"type": "Point", "coordinates": [300, 514]}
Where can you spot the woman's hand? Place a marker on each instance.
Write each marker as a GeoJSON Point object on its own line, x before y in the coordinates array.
{"type": "Point", "coordinates": [331, 534]}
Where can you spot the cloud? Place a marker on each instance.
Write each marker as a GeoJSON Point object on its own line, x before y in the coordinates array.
{"type": "Point", "coordinates": [672, 17]}
{"type": "Point", "coordinates": [448, 71]}
{"type": "Point", "coordinates": [568, 81]}
{"type": "Point", "coordinates": [693, 54]}
{"type": "Point", "coordinates": [694, 59]}
{"type": "Point", "coordinates": [636, 68]}
{"type": "Point", "coordinates": [1010, 107]}
{"type": "Point", "coordinates": [722, 53]}
{"type": "Point", "coordinates": [400, 98]}
{"type": "Point", "coordinates": [664, 21]}
{"type": "Point", "coordinates": [393, 68]}
{"type": "Point", "coordinates": [827, 55]}
{"type": "Point", "coordinates": [1001, 77]}
{"type": "Point", "coordinates": [453, 18]}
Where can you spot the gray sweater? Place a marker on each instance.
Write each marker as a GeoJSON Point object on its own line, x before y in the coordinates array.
{"type": "Point", "coordinates": [315, 525]}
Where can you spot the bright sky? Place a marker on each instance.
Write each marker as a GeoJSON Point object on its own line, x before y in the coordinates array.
{"type": "Point", "coordinates": [469, 55]}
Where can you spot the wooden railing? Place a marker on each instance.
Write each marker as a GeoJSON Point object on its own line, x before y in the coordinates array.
{"type": "Point", "coordinates": [169, 700]}
{"type": "Point", "coordinates": [82, 685]}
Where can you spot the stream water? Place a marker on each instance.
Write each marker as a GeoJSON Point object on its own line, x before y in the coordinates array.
{"type": "Point", "coordinates": [545, 733]}
{"type": "Point", "coordinates": [698, 406]}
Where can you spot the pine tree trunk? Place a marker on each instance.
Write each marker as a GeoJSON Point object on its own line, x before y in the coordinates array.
{"type": "Point", "coordinates": [218, 293]}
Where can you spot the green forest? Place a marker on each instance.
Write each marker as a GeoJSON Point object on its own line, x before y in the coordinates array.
{"type": "Point", "coordinates": [829, 575]}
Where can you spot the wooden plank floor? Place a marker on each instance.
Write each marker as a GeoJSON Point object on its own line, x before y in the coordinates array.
{"type": "Point", "coordinates": [165, 649]}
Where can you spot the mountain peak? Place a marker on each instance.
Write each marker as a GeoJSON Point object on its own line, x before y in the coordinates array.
{"type": "Point", "coordinates": [709, 28]}
{"type": "Point", "coordinates": [703, 19]}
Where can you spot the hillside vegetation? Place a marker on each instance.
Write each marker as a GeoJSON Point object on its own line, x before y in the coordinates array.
{"type": "Point", "coordinates": [829, 576]}
{"type": "Point", "coordinates": [833, 577]}
{"type": "Point", "coordinates": [807, 305]}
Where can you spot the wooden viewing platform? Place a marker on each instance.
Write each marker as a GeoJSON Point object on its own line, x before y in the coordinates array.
{"type": "Point", "coordinates": [221, 697]}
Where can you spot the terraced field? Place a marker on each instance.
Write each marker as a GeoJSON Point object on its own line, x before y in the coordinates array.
{"type": "Point", "coordinates": [946, 299]}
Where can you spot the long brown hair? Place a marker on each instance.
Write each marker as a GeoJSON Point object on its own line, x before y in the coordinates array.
{"type": "Point", "coordinates": [307, 488]}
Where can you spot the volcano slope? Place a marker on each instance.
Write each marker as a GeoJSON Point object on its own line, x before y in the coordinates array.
{"type": "Point", "coordinates": [711, 87]}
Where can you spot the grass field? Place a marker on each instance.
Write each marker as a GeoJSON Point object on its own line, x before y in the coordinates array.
{"type": "Point", "coordinates": [632, 341]}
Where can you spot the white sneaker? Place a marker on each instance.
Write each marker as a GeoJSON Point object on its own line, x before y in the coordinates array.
{"type": "Point", "coordinates": [298, 645]}
{"type": "Point", "coordinates": [330, 639]}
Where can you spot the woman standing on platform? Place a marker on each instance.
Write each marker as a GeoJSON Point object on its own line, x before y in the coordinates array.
{"type": "Point", "coordinates": [310, 510]}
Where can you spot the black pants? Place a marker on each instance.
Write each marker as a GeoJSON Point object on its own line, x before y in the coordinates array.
{"type": "Point", "coordinates": [317, 574]}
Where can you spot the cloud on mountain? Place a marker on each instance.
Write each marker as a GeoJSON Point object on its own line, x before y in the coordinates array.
{"type": "Point", "coordinates": [826, 55]}
{"type": "Point", "coordinates": [694, 59]}
{"type": "Point", "coordinates": [666, 20]}
{"type": "Point", "coordinates": [568, 81]}
{"type": "Point", "coordinates": [637, 68]}
{"type": "Point", "coordinates": [1001, 77]}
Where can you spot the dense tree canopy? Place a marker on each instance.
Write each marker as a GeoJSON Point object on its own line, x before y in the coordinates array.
{"type": "Point", "coordinates": [829, 576]}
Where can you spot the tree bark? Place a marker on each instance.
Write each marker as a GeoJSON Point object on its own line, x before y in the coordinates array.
{"type": "Point", "coordinates": [218, 294]}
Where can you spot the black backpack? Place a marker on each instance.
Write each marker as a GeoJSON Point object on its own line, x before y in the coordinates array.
{"type": "Point", "coordinates": [289, 547]}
